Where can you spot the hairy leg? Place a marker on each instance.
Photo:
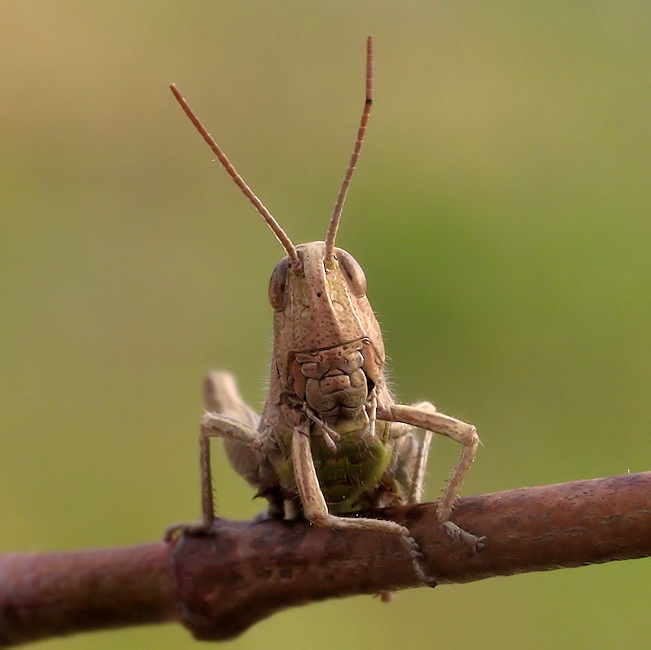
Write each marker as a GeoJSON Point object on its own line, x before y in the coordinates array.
{"type": "Point", "coordinates": [425, 416]}
{"type": "Point", "coordinates": [315, 508]}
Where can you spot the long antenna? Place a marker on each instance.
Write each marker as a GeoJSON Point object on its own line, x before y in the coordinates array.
{"type": "Point", "coordinates": [341, 198]}
{"type": "Point", "coordinates": [239, 181]}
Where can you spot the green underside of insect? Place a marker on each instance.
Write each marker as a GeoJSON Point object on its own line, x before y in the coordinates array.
{"type": "Point", "coordinates": [349, 477]}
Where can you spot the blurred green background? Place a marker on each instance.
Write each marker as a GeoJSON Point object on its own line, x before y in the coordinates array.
{"type": "Point", "coordinates": [501, 210]}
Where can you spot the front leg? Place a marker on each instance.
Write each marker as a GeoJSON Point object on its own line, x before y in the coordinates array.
{"type": "Point", "coordinates": [315, 508]}
{"type": "Point", "coordinates": [425, 416]}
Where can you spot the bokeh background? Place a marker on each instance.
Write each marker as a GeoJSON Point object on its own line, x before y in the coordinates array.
{"type": "Point", "coordinates": [501, 210]}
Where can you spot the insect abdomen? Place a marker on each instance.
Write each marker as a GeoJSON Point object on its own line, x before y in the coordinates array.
{"type": "Point", "coordinates": [346, 474]}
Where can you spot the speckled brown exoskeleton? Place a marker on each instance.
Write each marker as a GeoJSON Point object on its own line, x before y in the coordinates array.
{"type": "Point", "coordinates": [331, 441]}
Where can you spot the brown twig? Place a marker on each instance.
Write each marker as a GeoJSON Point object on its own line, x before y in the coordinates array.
{"type": "Point", "coordinates": [221, 584]}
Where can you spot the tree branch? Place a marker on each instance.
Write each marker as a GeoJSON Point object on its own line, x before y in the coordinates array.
{"type": "Point", "coordinates": [221, 584]}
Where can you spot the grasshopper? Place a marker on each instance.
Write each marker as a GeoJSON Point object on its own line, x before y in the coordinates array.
{"type": "Point", "coordinates": [331, 441]}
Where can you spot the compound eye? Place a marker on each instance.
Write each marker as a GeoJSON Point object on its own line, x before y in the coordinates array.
{"type": "Point", "coordinates": [278, 285]}
{"type": "Point", "coordinates": [353, 272]}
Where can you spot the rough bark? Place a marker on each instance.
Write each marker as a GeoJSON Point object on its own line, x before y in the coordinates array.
{"type": "Point", "coordinates": [220, 584]}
